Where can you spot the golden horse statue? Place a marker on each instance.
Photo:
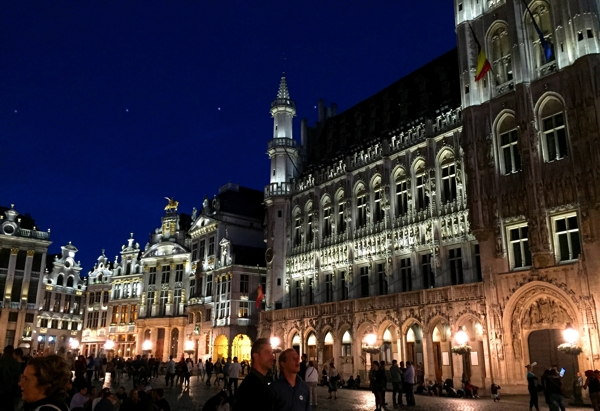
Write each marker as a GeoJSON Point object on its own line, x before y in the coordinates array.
{"type": "Point", "coordinates": [172, 205]}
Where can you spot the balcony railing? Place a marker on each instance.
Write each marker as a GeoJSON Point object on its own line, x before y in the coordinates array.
{"type": "Point", "coordinates": [439, 295]}
{"type": "Point", "coordinates": [282, 142]}
{"type": "Point", "coordinates": [278, 189]}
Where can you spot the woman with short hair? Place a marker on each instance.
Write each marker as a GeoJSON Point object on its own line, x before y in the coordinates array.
{"type": "Point", "coordinates": [44, 384]}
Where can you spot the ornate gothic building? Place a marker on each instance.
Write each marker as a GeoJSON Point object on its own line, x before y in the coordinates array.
{"type": "Point", "coordinates": [444, 204]}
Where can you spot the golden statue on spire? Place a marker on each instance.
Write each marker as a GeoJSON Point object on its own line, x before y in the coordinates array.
{"type": "Point", "coordinates": [172, 204]}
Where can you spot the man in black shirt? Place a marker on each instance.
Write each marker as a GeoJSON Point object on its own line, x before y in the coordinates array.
{"type": "Point", "coordinates": [303, 367]}
{"type": "Point", "coordinates": [254, 393]}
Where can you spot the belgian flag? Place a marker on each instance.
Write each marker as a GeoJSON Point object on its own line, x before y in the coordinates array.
{"type": "Point", "coordinates": [483, 64]}
{"type": "Point", "coordinates": [259, 296]}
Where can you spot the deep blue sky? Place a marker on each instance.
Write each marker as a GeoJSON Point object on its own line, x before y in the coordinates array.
{"type": "Point", "coordinates": [108, 107]}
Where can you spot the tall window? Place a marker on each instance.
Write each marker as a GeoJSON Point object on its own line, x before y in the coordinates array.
{"type": "Point", "coordinates": [47, 298]}
{"type": "Point", "coordinates": [426, 270]}
{"type": "Point", "coordinates": [67, 305]}
{"type": "Point", "coordinates": [57, 298]}
{"type": "Point", "coordinates": [449, 182]}
{"type": "Point", "coordinates": [98, 297]}
{"type": "Point", "coordinates": [209, 285]}
{"type": "Point", "coordinates": [405, 274]}
{"type": "Point", "coordinates": [328, 288]}
{"type": "Point", "coordinates": [555, 136]}
{"type": "Point", "coordinates": [211, 245]}
{"type": "Point", "coordinates": [309, 228]}
{"type": "Point", "coordinates": [244, 283]}
{"type": "Point", "coordinates": [297, 293]}
{"type": "Point", "coordinates": [456, 267]}
{"type": "Point", "coordinates": [422, 198]}
{"type": "Point", "coordinates": [162, 308]}
{"type": "Point", "coordinates": [243, 310]}
{"type": "Point", "coordinates": [194, 251]}
{"type": "Point", "coordinates": [401, 197]}
{"type": "Point", "coordinates": [341, 221]}
{"type": "Point", "coordinates": [31, 292]}
{"type": "Point", "coordinates": [298, 231]}
{"type": "Point", "coordinates": [95, 315]}
{"type": "Point", "coordinates": [192, 287]}
{"type": "Point", "coordinates": [152, 276]}
{"type": "Point", "coordinates": [202, 249]}
{"type": "Point", "coordinates": [377, 209]}
{"type": "Point", "coordinates": [509, 150]}
{"type": "Point", "coordinates": [327, 221]}
{"type": "Point", "coordinates": [17, 289]}
{"type": "Point", "coordinates": [176, 302]}
{"type": "Point", "coordinates": [478, 271]}
{"type": "Point", "coordinates": [102, 319]}
{"type": "Point", "coordinates": [519, 247]}
{"type": "Point", "coordinates": [124, 314]}
{"type": "Point", "coordinates": [150, 301]}
{"type": "Point", "coordinates": [501, 63]}
{"type": "Point", "coordinates": [382, 283]}
{"type": "Point", "coordinates": [77, 306]}
{"type": "Point", "coordinates": [541, 14]}
{"type": "Point", "coordinates": [361, 210]}
{"type": "Point", "coordinates": [566, 238]}
{"type": "Point", "coordinates": [105, 297]}
{"type": "Point", "coordinates": [166, 274]}
{"type": "Point", "coordinates": [179, 273]}
{"type": "Point", "coordinates": [311, 291]}
{"type": "Point", "coordinates": [115, 315]}
{"type": "Point", "coordinates": [343, 286]}
{"type": "Point", "coordinates": [133, 313]}
{"type": "Point", "coordinates": [364, 281]}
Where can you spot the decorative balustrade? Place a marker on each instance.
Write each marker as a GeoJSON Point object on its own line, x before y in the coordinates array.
{"type": "Point", "coordinates": [40, 235]}
{"type": "Point", "coordinates": [439, 295]}
{"type": "Point", "coordinates": [278, 189]}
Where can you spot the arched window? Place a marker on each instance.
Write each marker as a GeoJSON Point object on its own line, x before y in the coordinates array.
{"type": "Point", "coordinates": [361, 206]}
{"type": "Point", "coordinates": [402, 193]}
{"type": "Point", "coordinates": [542, 14]}
{"type": "Point", "coordinates": [174, 342]}
{"type": "Point", "coordinates": [501, 61]}
{"type": "Point", "coordinates": [70, 281]}
{"type": "Point", "coordinates": [554, 133]}
{"type": "Point", "coordinates": [341, 210]}
{"type": "Point", "coordinates": [377, 197]}
{"type": "Point", "coordinates": [327, 217]}
{"type": "Point", "coordinates": [508, 141]}
{"type": "Point", "coordinates": [298, 230]}
{"type": "Point", "coordinates": [420, 186]}
{"type": "Point", "coordinates": [60, 279]}
{"type": "Point", "coordinates": [347, 344]}
{"type": "Point", "coordinates": [448, 177]}
{"type": "Point", "coordinates": [99, 278]}
{"type": "Point", "coordinates": [309, 223]}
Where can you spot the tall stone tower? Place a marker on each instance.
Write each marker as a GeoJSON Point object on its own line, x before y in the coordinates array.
{"type": "Point", "coordinates": [283, 152]}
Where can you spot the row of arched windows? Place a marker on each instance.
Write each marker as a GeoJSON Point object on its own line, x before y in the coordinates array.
{"type": "Point", "coordinates": [411, 190]}
{"type": "Point", "coordinates": [553, 141]}
{"type": "Point", "coordinates": [60, 280]}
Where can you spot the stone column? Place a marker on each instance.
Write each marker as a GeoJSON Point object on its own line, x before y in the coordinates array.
{"type": "Point", "coordinates": [428, 360]}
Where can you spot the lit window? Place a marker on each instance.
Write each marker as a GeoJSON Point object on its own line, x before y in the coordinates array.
{"type": "Point", "coordinates": [401, 196]}
{"type": "Point", "coordinates": [361, 210]}
{"type": "Point", "coordinates": [519, 253]}
{"type": "Point", "coordinates": [555, 136]}
{"type": "Point", "coordinates": [509, 150]}
{"type": "Point", "coordinates": [566, 238]}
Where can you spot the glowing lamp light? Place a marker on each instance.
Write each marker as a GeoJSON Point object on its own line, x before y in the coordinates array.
{"type": "Point", "coordinates": [40, 338]}
{"type": "Point", "coordinates": [570, 334]}
{"type": "Point", "coordinates": [275, 342]}
{"type": "Point", "coordinates": [189, 345]}
{"type": "Point", "coordinates": [73, 343]}
{"type": "Point", "coordinates": [370, 339]}
{"type": "Point", "coordinates": [461, 337]}
{"type": "Point", "coordinates": [147, 345]}
{"type": "Point", "coordinates": [109, 345]}
{"type": "Point", "coordinates": [51, 339]}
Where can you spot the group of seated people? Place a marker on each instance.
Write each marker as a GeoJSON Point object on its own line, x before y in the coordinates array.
{"type": "Point", "coordinates": [435, 389]}
{"type": "Point", "coordinates": [353, 383]}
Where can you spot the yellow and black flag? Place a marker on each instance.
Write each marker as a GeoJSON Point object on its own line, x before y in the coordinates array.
{"type": "Point", "coordinates": [483, 64]}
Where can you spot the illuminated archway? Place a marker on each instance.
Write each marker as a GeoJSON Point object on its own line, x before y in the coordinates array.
{"type": "Point", "coordinates": [220, 348]}
{"type": "Point", "coordinates": [241, 347]}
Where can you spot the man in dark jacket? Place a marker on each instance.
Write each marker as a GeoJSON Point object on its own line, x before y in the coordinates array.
{"type": "Point", "coordinates": [290, 392]}
{"type": "Point", "coordinates": [254, 393]}
{"type": "Point", "coordinates": [303, 367]}
{"type": "Point", "coordinates": [10, 373]}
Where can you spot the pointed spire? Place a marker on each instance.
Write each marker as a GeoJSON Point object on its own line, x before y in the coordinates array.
{"type": "Point", "coordinates": [283, 89]}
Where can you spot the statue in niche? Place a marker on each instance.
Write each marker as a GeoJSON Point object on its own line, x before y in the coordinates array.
{"type": "Point", "coordinates": [516, 343]}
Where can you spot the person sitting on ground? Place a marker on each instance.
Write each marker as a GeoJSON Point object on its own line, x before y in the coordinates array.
{"type": "Point", "coordinates": [495, 392]}
{"type": "Point", "coordinates": [357, 382]}
{"type": "Point", "coordinates": [216, 401]}
{"type": "Point", "coordinates": [350, 382]}
{"type": "Point", "coordinates": [471, 390]}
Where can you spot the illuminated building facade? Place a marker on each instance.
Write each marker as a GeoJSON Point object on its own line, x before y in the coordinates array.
{"type": "Point", "coordinates": [441, 205]}
{"type": "Point", "coordinates": [23, 251]}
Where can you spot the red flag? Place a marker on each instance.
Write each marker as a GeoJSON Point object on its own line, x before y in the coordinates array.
{"type": "Point", "coordinates": [259, 296]}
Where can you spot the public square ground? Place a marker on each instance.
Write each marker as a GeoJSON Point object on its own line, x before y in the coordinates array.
{"type": "Point", "coordinates": [194, 397]}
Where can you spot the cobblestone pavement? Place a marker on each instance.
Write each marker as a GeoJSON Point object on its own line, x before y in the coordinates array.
{"type": "Point", "coordinates": [194, 397]}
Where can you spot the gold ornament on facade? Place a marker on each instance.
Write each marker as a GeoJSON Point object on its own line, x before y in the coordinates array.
{"type": "Point", "coordinates": [172, 265]}
{"type": "Point", "coordinates": [30, 253]}
{"type": "Point", "coordinates": [14, 251]}
{"type": "Point", "coordinates": [172, 204]}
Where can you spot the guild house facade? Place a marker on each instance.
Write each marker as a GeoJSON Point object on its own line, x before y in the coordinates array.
{"type": "Point", "coordinates": [445, 212]}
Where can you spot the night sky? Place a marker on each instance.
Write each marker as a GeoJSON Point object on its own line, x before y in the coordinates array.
{"type": "Point", "coordinates": [108, 107]}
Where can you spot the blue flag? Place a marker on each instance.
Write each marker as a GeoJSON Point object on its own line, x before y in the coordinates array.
{"type": "Point", "coordinates": [547, 47]}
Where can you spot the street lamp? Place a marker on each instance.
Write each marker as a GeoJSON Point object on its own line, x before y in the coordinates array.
{"type": "Point", "coordinates": [464, 350]}
{"type": "Point", "coordinates": [570, 347]}
{"type": "Point", "coordinates": [189, 348]}
{"type": "Point", "coordinates": [369, 346]}
{"type": "Point", "coordinates": [74, 345]}
{"type": "Point", "coordinates": [147, 347]}
{"type": "Point", "coordinates": [276, 350]}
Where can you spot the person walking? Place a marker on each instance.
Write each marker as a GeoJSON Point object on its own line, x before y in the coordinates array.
{"type": "Point", "coordinates": [396, 378]}
{"type": "Point", "coordinates": [333, 377]}
{"type": "Point", "coordinates": [208, 366]}
{"type": "Point", "coordinates": [408, 383]}
{"type": "Point", "coordinates": [200, 369]}
{"type": "Point", "coordinates": [170, 372]}
{"type": "Point", "coordinates": [226, 373]}
{"type": "Point", "coordinates": [290, 393]}
{"type": "Point", "coordinates": [312, 378]}
{"type": "Point", "coordinates": [254, 392]}
{"type": "Point", "coordinates": [375, 384]}
{"type": "Point", "coordinates": [532, 387]}
{"type": "Point", "coordinates": [234, 375]}
{"type": "Point", "coordinates": [592, 383]}
{"type": "Point", "coordinates": [303, 366]}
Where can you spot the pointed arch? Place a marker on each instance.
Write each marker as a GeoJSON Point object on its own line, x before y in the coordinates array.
{"type": "Point", "coordinates": [499, 46]}
{"type": "Point", "coordinates": [552, 123]}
